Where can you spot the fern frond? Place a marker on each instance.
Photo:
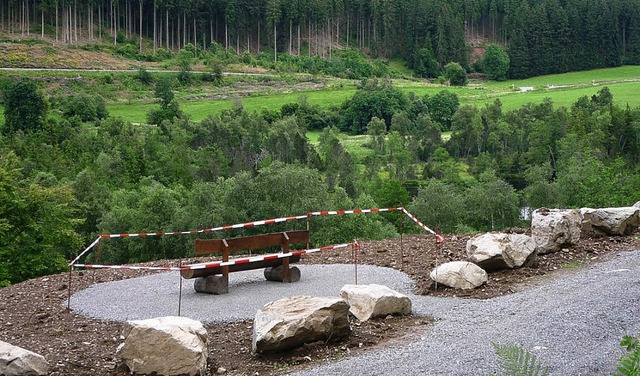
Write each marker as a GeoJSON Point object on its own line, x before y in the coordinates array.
{"type": "Point", "coordinates": [517, 361]}
{"type": "Point", "coordinates": [629, 364]}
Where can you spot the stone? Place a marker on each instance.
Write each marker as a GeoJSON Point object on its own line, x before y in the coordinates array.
{"type": "Point", "coordinates": [291, 322]}
{"type": "Point", "coordinates": [554, 229]}
{"type": "Point", "coordinates": [636, 205]}
{"type": "Point", "coordinates": [165, 346]}
{"type": "Point", "coordinates": [16, 361]}
{"type": "Point", "coordinates": [213, 284]}
{"type": "Point", "coordinates": [460, 275]}
{"type": "Point", "coordinates": [370, 301]}
{"type": "Point", "coordinates": [610, 221]}
{"type": "Point", "coordinates": [501, 251]}
{"type": "Point", "coordinates": [277, 274]}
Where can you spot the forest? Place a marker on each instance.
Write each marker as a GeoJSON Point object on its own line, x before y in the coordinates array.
{"type": "Point", "coordinates": [69, 171]}
{"type": "Point", "coordinates": [540, 37]}
{"type": "Point", "coordinates": [65, 179]}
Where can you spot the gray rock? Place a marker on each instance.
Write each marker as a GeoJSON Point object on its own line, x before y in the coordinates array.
{"type": "Point", "coordinates": [165, 346]}
{"type": "Point", "coordinates": [291, 322]}
{"type": "Point", "coordinates": [501, 251]}
{"type": "Point", "coordinates": [369, 301]}
{"type": "Point", "coordinates": [554, 229]}
{"type": "Point", "coordinates": [16, 361]}
{"type": "Point", "coordinates": [460, 275]}
{"type": "Point", "coordinates": [610, 221]}
{"type": "Point", "coordinates": [636, 205]}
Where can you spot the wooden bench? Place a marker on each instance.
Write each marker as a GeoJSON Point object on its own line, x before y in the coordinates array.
{"type": "Point", "coordinates": [215, 280]}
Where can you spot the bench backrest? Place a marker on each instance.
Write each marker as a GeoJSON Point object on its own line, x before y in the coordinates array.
{"type": "Point", "coordinates": [221, 246]}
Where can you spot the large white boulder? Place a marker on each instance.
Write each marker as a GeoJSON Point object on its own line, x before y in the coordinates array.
{"type": "Point", "coordinates": [460, 275]}
{"type": "Point", "coordinates": [370, 301]}
{"type": "Point", "coordinates": [291, 322]}
{"type": "Point", "coordinates": [554, 229]}
{"type": "Point", "coordinates": [16, 361]}
{"type": "Point", "coordinates": [501, 251]}
{"type": "Point", "coordinates": [610, 221]}
{"type": "Point", "coordinates": [165, 346]}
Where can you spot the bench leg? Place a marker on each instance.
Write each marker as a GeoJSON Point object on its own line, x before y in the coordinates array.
{"type": "Point", "coordinates": [278, 274]}
{"type": "Point", "coordinates": [213, 284]}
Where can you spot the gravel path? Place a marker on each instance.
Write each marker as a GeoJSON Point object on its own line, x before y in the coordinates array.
{"type": "Point", "coordinates": [573, 323]}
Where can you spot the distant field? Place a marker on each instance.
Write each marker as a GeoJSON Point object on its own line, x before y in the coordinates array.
{"type": "Point", "coordinates": [563, 89]}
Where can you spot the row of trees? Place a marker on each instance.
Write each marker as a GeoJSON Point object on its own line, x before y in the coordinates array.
{"type": "Point", "coordinates": [64, 181]}
{"type": "Point", "coordinates": [548, 36]}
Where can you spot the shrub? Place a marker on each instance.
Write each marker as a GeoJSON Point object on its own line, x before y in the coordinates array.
{"type": "Point", "coordinates": [455, 74]}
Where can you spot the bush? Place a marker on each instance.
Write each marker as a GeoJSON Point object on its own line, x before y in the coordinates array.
{"type": "Point", "coordinates": [455, 74]}
{"type": "Point", "coordinates": [145, 77]}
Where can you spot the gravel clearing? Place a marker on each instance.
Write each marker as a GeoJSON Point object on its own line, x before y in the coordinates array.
{"type": "Point", "coordinates": [573, 324]}
{"type": "Point", "coordinates": [573, 321]}
{"type": "Point", "coordinates": [158, 294]}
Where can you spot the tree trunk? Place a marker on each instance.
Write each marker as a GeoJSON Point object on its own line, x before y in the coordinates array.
{"type": "Point", "coordinates": [275, 43]}
{"type": "Point", "coordinates": [290, 35]}
{"type": "Point", "coordinates": [99, 22]}
{"type": "Point", "coordinates": [140, 26]}
{"type": "Point", "coordinates": [298, 38]}
{"type": "Point", "coordinates": [155, 27]}
{"type": "Point", "coordinates": [347, 30]}
{"type": "Point", "coordinates": [309, 38]}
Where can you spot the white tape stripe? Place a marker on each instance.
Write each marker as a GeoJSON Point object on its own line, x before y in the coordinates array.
{"type": "Point", "coordinates": [96, 266]}
{"type": "Point", "coordinates": [85, 251]}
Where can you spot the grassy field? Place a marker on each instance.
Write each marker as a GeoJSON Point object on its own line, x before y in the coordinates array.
{"type": "Point", "coordinates": [562, 89]}
{"type": "Point", "coordinates": [131, 101]}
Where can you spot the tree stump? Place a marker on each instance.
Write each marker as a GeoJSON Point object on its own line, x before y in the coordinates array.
{"type": "Point", "coordinates": [213, 284]}
{"type": "Point", "coordinates": [277, 274]}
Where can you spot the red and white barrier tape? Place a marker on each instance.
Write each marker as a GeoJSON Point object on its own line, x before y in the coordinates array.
{"type": "Point", "coordinates": [439, 238]}
{"type": "Point", "coordinates": [97, 266]}
{"type": "Point", "coordinates": [212, 229]}
{"type": "Point", "coordinates": [355, 211]}
{"type": "Point", "coordinates": [247, 260]}
{"type": "Point", "coordinates": [85, 251]}
{"type": "Point", "coordinates": [208, 265]}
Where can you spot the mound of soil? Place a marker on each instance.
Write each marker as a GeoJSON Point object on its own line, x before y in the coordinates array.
{"type": "Point", "coordinates": [33, 314]}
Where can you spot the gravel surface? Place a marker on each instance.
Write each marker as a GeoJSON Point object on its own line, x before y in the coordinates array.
{"type": "Point", "coordinates": [573, 324]}
{"type": "Point", "coordinates": [158, 294]}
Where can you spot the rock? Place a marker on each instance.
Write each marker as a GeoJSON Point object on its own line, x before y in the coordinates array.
{"type": "Point", "coordinates": [369, 301]}
{"type": "Point", "coordinates": [501, 251]}
{"type": "Point", "coordinates": [553, 229]}
{"type": "Point", "coordinates": [165, 346]}
{"type": "Point", "coordinates": [610, 221]}
{"type": "Point", "coordinates": [460, 275]}
{"type": "Point", "coordinates": [291, 322]}
{"type": "Point", "coordinates": [16, 361]}
{"type": "Point", "coordinates": [636, 205]}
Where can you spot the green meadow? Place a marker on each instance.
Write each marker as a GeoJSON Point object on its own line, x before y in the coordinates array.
{"type": "Point", "coordinates": [562, 89]}
{"type": "Point", "coordinates": [131, 101]}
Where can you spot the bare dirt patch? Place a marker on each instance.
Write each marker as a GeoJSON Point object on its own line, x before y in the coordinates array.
{"type": "Point", "coordinates": [33, 314]}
